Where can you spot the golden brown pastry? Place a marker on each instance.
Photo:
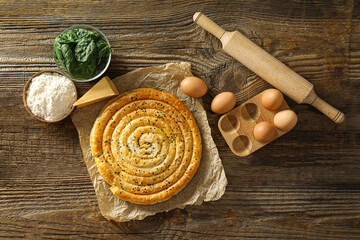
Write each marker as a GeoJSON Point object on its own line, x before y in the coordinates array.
{"type": "Point", "coordinates": [147, 145]}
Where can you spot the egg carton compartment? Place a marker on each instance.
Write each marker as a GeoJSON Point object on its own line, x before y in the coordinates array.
{"type": "Point", "coordinates": [237, 125]}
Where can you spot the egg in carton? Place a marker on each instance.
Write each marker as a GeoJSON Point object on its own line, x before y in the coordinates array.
{"type": "Point", "coordinates": [257, 122]}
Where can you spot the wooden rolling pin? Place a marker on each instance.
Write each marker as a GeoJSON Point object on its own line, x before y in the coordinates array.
{"type": "Point", "coordinates": [268, 67]}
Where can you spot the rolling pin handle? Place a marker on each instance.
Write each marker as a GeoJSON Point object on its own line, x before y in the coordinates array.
{"type": "Point", "coordinates": [207, 24]}
{"type": "Point", "coordinates": [328, 110]}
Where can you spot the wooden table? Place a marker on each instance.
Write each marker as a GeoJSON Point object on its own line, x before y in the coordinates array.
{"type": "Point", "coordinates": [305, 185]}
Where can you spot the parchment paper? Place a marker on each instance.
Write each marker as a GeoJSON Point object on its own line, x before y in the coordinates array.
{"type": "Point", "coordinates": [209, 182]}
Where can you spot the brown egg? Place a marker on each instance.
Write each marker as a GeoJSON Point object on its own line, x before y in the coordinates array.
{"type": "Point", "coordinates": [285, 120]}
{"type": "Point", "coordinates": [272, 99]}
{"type": "Point", "coordinates": [193, 87]}
{"type": "Point", "coordinates": [223, 102]}
{"type": "Point", "coordinates": [264, 132]}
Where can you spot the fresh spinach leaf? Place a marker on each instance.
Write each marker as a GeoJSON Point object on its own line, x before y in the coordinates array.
{"type": "Point", "coordinates": [82, 53]}
{"type": "Point", "coordinates": [101, 44]}
{"type": "Point", "coordinates": [85, 49]}
{"type": "Point", "coordinates": [103, 48]}
{"type": "Point", "coordinates": [69, 59]}
{"type": "Point", "coordinates": [83, 33]}
{"type": "Point", "coordinates": [101, 64]}
{"type": "Point", "coordinates": [68, 37]}
{"type": "Point", "coordinates": [58, 53]}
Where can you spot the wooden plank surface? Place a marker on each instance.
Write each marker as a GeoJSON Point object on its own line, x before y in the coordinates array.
{"type": "Point", "coordinates": [304, 185]}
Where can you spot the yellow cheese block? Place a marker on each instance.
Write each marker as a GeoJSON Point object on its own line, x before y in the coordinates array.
{"type": "Point", "coordinates": [105, 88]}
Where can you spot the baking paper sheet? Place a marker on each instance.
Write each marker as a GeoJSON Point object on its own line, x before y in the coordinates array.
{"type": "Point", "coordinates": [209, 182]}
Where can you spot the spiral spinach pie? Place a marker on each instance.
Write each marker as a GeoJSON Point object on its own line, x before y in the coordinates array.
{"type": "Point", "coordinates": [146, 145]}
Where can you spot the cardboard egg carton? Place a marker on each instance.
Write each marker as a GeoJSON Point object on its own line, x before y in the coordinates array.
{"type": "Point", "coordinates": [237, 125]}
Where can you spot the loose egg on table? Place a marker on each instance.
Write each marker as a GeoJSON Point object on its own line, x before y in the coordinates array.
{"type": "Point", "coordinates": [272, 99]}
{"type": "Point", "coordinates": [285, 120]}
{"type": "Point", "coordinates": [264, 132]}
{"type": "Point", "coordinates": [193, 87]}
{"type": "Point", "coordinates": [223, 102]}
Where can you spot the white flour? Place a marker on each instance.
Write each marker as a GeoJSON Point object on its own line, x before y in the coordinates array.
{"type": "Point", "coordinates": [50, 96]}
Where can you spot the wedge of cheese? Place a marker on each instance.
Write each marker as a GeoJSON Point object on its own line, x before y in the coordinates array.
{"type": "Point", "coordinates": [105, 88]}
